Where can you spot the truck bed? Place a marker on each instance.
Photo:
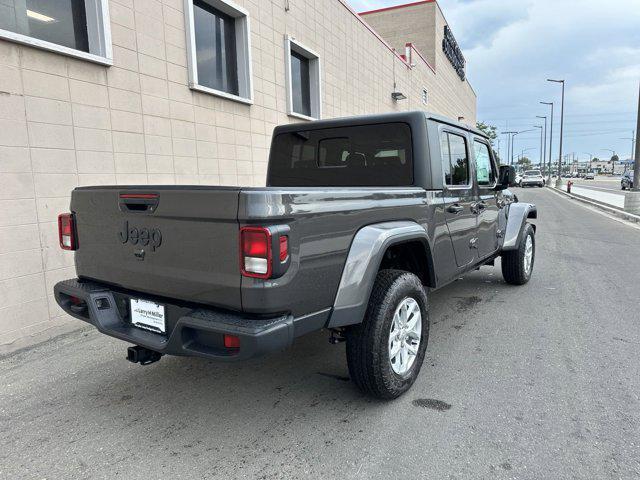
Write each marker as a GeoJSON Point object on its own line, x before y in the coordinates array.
{"type": "Point", "coordinates": [195, 256]}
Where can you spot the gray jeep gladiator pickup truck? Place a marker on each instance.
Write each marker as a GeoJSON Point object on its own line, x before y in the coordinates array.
{"type": "Point", "coordinates": [360, 218]}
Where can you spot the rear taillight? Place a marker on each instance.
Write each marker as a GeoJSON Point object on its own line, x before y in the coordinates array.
{"type": "Point", "coordinates": [255, 252]}
{"type": "Point", "coordinates": [67, 231]}
{"type": "Point", "coordinates": [264, 252]}
{"type": "Point", "coordinates": [284, 248]}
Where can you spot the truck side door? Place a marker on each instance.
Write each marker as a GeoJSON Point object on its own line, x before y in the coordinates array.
{"type": "Point", "coordinates": [458, 194]}
{"type": "Point", "coordinates": [486, 206]}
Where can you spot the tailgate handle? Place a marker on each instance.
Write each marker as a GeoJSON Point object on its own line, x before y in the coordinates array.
{"type": "Point", "coordinates": [138, 202]}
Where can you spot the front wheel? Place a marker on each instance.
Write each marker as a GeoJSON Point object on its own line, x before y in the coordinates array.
{"type": "Point", "coordinates": [517, 265]}
{"type": "Point", "coordinates": [385, 352]}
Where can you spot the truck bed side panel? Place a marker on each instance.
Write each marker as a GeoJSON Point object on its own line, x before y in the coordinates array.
{"type": "Point", "coordinates": [323, 224]}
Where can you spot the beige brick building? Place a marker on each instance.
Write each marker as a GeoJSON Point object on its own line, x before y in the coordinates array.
{"type": "Point", "coordinates": [130, 92]}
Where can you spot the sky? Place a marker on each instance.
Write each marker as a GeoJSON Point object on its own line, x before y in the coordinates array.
{"type": "Point", "coordinates": [513, 46]}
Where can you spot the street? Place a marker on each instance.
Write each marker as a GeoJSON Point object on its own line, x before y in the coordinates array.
{"type": "Point", "coordinates": [531, 382]}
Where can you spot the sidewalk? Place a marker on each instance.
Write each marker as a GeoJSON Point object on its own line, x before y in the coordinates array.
{"type": "Point", "coordinates": [610, 202]}
{"type": "Point", "coordinates": [614, 199]}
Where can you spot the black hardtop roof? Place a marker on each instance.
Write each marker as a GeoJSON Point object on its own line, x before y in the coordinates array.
{"type": "Point", "coordinates": [410, 117]}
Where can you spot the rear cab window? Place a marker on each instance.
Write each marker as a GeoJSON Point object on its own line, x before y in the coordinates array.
{"type": "Point", "coordinates": [455, 159]}
{"type": "Point", "coordinates": [360, 155]}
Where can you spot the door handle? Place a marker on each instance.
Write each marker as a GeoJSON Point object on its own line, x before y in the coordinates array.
{"type": "Point", "coordinates": [455, 208]}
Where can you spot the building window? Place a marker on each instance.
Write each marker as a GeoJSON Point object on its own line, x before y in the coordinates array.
{"type": "Point", "coordinates": [425, 96]}
{"type": "Point", "coordinates": [78, 28]}
{"type": "Point", "coordinates": [303, 81]}
{"type": "Point", "coordinates": [219, 49]}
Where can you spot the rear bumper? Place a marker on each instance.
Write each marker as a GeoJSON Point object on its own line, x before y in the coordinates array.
{"type": "Point", "coordinates": [190, 331]}
{"type": "Point", "coordinates": [537, 183]}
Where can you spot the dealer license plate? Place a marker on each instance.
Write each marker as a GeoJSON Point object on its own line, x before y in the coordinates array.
{"type": "Point", "coordinates": [147, 315]}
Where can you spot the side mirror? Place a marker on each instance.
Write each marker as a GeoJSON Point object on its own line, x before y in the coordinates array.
{"type": "Point", "coordinates": [506, 177]}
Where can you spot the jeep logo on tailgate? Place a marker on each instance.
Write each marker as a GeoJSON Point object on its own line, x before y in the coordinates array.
{"type": "Point", "coordinates": [140, 236]}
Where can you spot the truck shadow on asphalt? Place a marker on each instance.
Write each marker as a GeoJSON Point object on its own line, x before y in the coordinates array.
{"type": "Point", "coordinates": [310, 373]}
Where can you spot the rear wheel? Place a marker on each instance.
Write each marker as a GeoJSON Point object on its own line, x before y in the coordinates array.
{"type": "Point", "coordinates": [385, 352]}
{"type": "Point", "coordinates": [517, 265]}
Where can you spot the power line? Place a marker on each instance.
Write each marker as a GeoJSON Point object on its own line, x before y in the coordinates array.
{"type": "Point", "coordinates": [597, 114]}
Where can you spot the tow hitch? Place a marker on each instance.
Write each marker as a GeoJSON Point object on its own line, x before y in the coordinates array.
{"type": "Point", "coordinates": [142, 355]}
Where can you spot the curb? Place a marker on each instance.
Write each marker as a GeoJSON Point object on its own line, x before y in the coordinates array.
{"type": "Point", "coordinates": [602, 206]}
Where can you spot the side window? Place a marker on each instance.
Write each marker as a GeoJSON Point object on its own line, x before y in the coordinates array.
{"type": "Point", "coordinates": [455, 161]}
{"type": "Point", "coordinates": [485, 173]}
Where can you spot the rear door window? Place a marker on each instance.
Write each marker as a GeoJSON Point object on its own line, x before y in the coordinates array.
{"type": "Point", "coordinates": [455, 159]}
{"type": "Point", "coordinates": [362, 155]}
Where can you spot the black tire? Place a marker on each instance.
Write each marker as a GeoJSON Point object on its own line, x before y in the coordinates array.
{"type": "Point", "coordinates": [513, 262]}
{"type": "Point", "coordinates": [367, 343]}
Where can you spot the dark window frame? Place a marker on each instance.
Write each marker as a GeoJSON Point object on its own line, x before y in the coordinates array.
{"type": "Point", "coordinates": [226, 50]}
{"type": "Point", "coordinates": [243, 53]}
{"type": "Point", "coordinates": [302, 105]}
{"type": "Point", "coordinates": [448, 186]}
{"type": "Point", "coordinates": [492, 162]}
{"type": "Point", "coordinates": [296, 50]}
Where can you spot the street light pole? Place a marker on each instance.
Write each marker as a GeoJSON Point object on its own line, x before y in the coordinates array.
{"type": "Point", "coordinates": [632, 198]}
{"type": "Point", "coordinates": [541, 143]}
{"type": "Point", "coordinates": [508, 145]}
{"type": "Point", "coordinates": [633, 142]}
{"type": "Point", "coordinates": [559, 179]}
{"type": "Point", "coordinates": [550, 140]}
{"type": "Point", "coordinates": [512, 139]}
{"type": "Point", "coordinates": [544, 155]}
{"type": "Point", "coordinates": [522, 152]}
{"type": "Point", "coordinates": [636, 165]}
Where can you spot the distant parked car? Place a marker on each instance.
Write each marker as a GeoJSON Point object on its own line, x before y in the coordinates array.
{"type": "Point", "coordinates": [532, 178]}
{"type": "Point", "coordinates": [627, 180]}
{"type": "Point", "coordinates": [589, 176]}
{"type": "Point", "coordinates": [518, 181]}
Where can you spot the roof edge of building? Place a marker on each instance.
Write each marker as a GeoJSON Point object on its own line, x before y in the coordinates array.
{"type": "Point", "coordinates": [394, 7]}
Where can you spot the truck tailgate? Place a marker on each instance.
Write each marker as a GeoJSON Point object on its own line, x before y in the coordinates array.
{"type": "Point", "coordinates": [173, 241]}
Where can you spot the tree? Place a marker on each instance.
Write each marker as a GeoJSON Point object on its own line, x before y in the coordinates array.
{"type": "Point", "coordinates": [489, 130]}
{"type": "Point", "coordinates": [492, 133]}
{"type": "Point", "coordinates": [614, 159]}
{"type": "Point", "coordinates": [524, 162]}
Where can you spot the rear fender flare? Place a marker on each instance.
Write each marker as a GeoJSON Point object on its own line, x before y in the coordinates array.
{"type": "Point", "coordinates": [516, 218]}
{"type": "Point", "coordinates": [363, 262]}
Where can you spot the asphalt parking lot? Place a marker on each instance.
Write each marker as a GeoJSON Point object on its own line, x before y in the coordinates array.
{"type": "Point", "coordinates": [530, 382]}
